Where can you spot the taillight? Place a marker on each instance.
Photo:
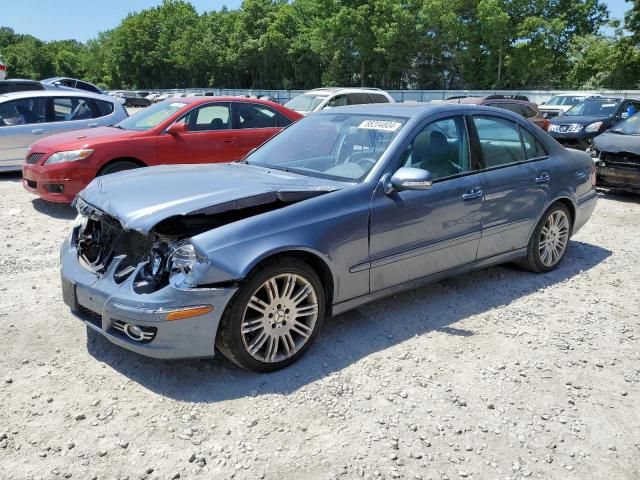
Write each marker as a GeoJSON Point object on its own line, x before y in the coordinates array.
{"type": "Point", "coordinates": [2, 67]}
{"type": "Point", "coordinates": [593, 174]}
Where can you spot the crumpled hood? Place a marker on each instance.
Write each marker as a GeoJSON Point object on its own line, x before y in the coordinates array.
{"type": "Point", "coordinates": [580, 120]}
{"type": "Point", "coordinates": [142, 198]}
{"type": "Point", "coordinates": [79, 138]}
{"type": "Point", "coordinates": [615, 143]}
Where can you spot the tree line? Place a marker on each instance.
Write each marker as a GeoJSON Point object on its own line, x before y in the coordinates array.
{"type": "Point", "coordinates": [393, 44]}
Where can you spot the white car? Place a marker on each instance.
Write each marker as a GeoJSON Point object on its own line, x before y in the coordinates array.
{"type": "Point", "coordinates": [321, 98]}
{"type": "Point", "coordinates": [3, 70]}
{"type": "Point", "coordinates": [559, 104]}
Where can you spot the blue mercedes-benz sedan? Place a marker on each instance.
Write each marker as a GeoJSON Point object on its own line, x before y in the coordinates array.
{"type": "Point", "coordinates": [343, 207]}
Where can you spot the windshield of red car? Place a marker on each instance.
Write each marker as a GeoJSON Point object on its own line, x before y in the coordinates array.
{"type": "Point", "coordinates": [338, 146]}
{"type": "Point", "coordinates": [151, 117]}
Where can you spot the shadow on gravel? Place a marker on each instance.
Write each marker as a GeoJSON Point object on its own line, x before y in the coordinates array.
{"type": "Point", "coordinates": [55, 210]}
{"type": "Point", "coordinates": [619, 196]}
{"type": "Point", "coordinates": [10, 176]}
{"type": "Point", "coordinates": [349, 337]}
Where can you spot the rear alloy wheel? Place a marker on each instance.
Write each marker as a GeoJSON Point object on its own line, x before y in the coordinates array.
{"type": "Point", "coordinates": [274, 318]}
{"type": "Point", "coordinates": [549, 240]}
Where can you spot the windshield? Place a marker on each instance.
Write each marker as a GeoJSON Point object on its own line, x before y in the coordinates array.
{"type": "Point", "coordinates": [565, 100]}
{"type": "Point", "coordinates": [151, 117]}
{"type": "Point", "coordinates": [594, 108]}
{"type": "Point", "coordinates": [307, 102]}
{"type": "Point", "coordinates": [629, 126]}
{"type": "Point", "coordinates": [338, 146]}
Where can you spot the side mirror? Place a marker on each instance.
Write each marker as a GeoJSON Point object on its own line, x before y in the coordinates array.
{"type": "Point", "coordinates": [178, 128]}
{"type": "Point", "coordinates": [408, 178]}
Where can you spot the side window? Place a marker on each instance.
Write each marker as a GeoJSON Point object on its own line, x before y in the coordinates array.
{"type": "Point", "coordinates": [378, 98]}
{"type": "Point", "coordinates": [358, 98]}
{"type": "Point", "coordinates": [442, 147]}
{"type": "Point", "coordinates": [67, 109]}
{"type": "Point", "coordinates": [532, 147]}
{"type": "Point", "coordinates": [337, 101]}
{"type": "Point", "coordinates": [102, 108]}
{"type": "Point", "coordinates": [209, 117]}
{"type": "Point", "coordinates": [528, 112]}
{"type": "Point", "coordinates": [499, 141]}
{"type": "Point", "coordinates": [250, 115]}
{"type": "Point", "coordinates": [282, 120]}
{"type": "Point", "coordinates": [25, 111]}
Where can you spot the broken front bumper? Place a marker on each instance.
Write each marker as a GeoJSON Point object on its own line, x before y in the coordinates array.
{"type": "Point", "coordinates": [105, 306]}
{"type": "Point", "coordinates": [618, 175]}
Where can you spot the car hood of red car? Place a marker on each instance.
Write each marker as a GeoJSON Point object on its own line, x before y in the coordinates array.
{"type": "Point", "coordinates": [140, 199]}
{"type": "Point", "coordinates": [80, 138]}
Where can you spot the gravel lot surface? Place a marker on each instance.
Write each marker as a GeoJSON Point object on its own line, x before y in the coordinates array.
{"type": "Point", "coordinates": [498, 374]}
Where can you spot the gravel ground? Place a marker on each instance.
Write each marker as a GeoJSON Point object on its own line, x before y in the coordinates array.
{"type": "Point", "coordinates": [498, 374]}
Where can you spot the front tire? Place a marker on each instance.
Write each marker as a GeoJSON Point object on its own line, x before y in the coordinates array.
{"type": "Point", "coordinates": [119, 166]}
{"type": "Point", "coordinates": [549, 241]}
{"type": "Point", "coordinates": [274, 317]}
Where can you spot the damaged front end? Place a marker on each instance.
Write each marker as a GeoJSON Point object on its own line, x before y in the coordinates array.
{"type": "Point", "coordinates": [619, 171]}
{"type": "Point", "coordinates": [164, 254]}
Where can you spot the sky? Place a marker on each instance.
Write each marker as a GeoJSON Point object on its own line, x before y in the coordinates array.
{"type": "Point", "coordinates": [83, 19]}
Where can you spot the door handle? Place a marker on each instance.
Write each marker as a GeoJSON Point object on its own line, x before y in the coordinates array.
{"type": "Point", "coordinates": [227, 140]}
{"type": "Point", "coordinates": [37, 131]}
{"type": "Point", "coordinates": [472, 194]}
{"type": "Point", "coordinates": [544, 177]}
{"type": "Point", "coordinates": [93, 125]}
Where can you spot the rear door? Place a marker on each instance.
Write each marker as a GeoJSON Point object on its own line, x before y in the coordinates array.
{"type": "Point", "coordinates": [22, 122]}
{"type": "Point", "coordinates": [75, 113]}
{"type": "Point", "coordinates": [254, 124]}
{"type": "Point", "coordinates": [518, 177]}
{"type": "Point", "coordinates": [209, 139]}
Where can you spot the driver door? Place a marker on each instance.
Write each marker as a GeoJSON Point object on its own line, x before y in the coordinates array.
{"type": "Point", "coordinates": [415, 233]}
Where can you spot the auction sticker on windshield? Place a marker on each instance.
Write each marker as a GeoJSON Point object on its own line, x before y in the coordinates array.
{"type": "Point", "coordinates": [385, 125]}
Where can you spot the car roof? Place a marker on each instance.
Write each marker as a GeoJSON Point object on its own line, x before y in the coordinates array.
{"type": "Point", "coordinates": [228, 98]}
{"type": "Point", "coordinates": [55, 93]}
{"type": "Point", "coordinates": [330, 90]}
{"type": "Point", "coordinates": [409, 110]}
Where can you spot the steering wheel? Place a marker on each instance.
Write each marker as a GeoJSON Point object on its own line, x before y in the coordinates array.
{"type": "Point", "coordinates": [365, 163]}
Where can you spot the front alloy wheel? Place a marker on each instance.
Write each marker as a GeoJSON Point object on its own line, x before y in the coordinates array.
{"type": "Point", "coordinates": [274, 317]}
{"type": "Point", "coordinates": [279, 318]}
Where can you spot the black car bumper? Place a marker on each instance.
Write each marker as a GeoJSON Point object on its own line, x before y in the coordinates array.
{"type": "Point", "coordinates": [578, 140]}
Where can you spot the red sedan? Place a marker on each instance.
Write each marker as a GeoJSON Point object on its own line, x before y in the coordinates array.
{"type": "Point", "coordinates": [181, 130]}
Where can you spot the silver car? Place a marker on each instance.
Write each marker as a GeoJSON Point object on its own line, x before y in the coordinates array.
{"type": "Point", "coordinates": [28, 116]}
{"type": "Point", "coordinates": [341, 208]}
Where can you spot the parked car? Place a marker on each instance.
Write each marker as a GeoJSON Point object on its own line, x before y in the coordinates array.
{"type": "Point", "coordinates": [588, 119]}
{"type": "Point", "coordinates": [162, 97]}
{"type": "Point", "coordinates": [344, 207]}
{"type": "Point", "coordinates": [616, 154]}
{"type": "Point", "coordinates": [3, 71]}
{"type": "Point", "coordinates": [559, 104]}
{"type": "Point", "coordinates": [133, 99]}
{"type": "Point", "coordinates": [321, 98]}
{"type": "Point", "coordinates": [515, 103]}
{"type": "Point", "coordinates": [186, 130]}
{"type": "Point", "coordinates": [74, 83]}
{"type": "Point", "coordinates": [28, 116]}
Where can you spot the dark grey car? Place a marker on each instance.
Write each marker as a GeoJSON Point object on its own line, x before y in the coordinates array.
{"type": "Point", "coordinates": [342, 208]}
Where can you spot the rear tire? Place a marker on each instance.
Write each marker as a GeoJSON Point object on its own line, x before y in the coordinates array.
{"type": "Point", "coordinates": [549, 241]}
{"type": "Point", "coordinates": [274, 317]}
{"type": "Point", "coordinates": [118, 166]}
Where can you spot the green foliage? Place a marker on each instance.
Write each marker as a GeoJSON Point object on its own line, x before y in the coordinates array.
{"type": "Point", "coordinates": [301, 44]}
